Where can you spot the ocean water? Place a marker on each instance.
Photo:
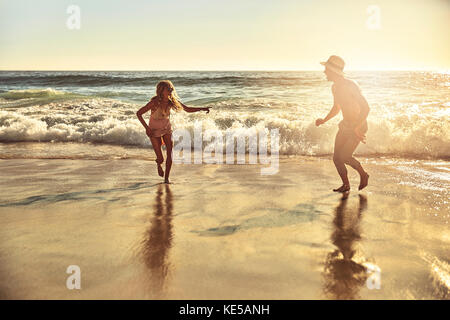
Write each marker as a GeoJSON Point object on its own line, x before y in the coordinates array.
{"type": "Point", "coordinates": [409, 114]}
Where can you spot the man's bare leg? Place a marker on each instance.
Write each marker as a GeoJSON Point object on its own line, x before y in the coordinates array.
{"type": "Point", "coordinates": [347, 153]}
{"type": "Point", "coordinates": [363, 175]}
{"type": "Point", "coordinates": [338, 160]}
{"type": "Point", "coordinates": [342, 170]}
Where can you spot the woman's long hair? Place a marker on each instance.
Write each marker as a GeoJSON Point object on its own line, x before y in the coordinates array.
{"type": "Point", "coordinates": [174, 102]}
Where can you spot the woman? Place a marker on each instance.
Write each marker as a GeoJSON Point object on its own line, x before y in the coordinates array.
{"type": "Point", "coordinates": [159, 129]}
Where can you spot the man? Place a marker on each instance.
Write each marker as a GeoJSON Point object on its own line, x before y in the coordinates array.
{"type": "Point", "coordinates": [352, 129]}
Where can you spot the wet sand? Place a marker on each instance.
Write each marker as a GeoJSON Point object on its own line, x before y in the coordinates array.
{"type": "Point", "coordinates": [222, 231]}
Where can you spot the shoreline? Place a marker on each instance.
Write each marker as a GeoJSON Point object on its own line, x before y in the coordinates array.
{"type": "Point", "coordinates": [117, 148]}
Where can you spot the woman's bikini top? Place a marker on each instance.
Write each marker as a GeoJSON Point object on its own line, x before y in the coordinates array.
{"type": "Point", "coordinates": [160, 113]}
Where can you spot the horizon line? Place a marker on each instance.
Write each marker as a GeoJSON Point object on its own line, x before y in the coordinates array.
{"type": "Point", "coordinates": [209, 70]}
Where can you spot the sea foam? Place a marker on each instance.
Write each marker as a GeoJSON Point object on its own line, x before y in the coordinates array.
{"type": "Point", "coordinates": [420, 135]}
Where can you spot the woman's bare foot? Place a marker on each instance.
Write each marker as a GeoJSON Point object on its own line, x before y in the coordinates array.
{"type": "Point", "coordinates": [343, 188]}
{"type": "Point", "coordinates": [160, 171]}
{"type": "Point", "coordinates": [364, 181]}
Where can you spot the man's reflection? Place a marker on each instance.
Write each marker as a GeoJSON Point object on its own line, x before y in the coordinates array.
{"type": "Point", "coordinates": [158, 240]}
{"type": "Point", "coordinates": [344, 273]}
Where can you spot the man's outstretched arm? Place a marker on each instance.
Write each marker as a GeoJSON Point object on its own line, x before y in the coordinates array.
{"type": "Point", "coordinates": [333, 112]}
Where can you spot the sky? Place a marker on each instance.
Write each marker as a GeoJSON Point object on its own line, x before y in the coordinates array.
{"type": "Point", "coordinates": [224, 35]}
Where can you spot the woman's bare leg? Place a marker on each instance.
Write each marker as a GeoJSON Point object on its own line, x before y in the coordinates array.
{"type": "Point", "coordinates": [156, 143]}
{"type": "Point", "coordinates": [169, 145]}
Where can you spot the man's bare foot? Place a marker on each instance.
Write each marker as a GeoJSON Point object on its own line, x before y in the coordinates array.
{"type": "Point", "coordinates": [364, 181]}
{"type": "Point", "coordinates": [160, 171]}
{"type": "Point", "coordinates": [343, 188]}
{"type": "Point", "coordinates": [166, 180]}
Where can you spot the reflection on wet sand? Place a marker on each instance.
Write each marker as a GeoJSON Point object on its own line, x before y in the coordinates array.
{"type": "Point", "coordinates": [158, 240]}
{"type": "Point", "coordinates": [344, 272]}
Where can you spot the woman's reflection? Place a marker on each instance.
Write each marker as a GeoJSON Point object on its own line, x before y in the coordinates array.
{"type": "Point", "coordinates": [158, 240]}
{"type": "Point", "coordinates": [344, 272]}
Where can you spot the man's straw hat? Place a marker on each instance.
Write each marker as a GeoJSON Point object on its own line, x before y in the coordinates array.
{"type": "Point", "coordinates": [335, 64]}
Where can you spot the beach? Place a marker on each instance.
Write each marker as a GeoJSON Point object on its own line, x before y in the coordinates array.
{"type": "Point", "coordinates": [80, 194]}
{"type": "Point", "coordinates": [220, 231]}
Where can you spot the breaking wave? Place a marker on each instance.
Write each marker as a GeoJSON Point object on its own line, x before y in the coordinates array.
{"type": "Point", "coordinates": [107, 121]}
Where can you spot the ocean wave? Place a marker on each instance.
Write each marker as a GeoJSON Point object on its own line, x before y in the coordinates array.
{"type": "Point", "coordinates": [106, 121]}
{"type": "Point", "coordinates": [30, 97]}
{"type": "Point", "coordinates": [20, 98]}
{"type": "Point", "coordinates": [97, 80]}
{"type": "Point", "coordinates": [34, 93]}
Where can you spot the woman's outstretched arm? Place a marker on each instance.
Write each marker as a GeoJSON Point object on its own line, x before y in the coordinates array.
{"type": "Point", "coordinates": [190, 109]}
